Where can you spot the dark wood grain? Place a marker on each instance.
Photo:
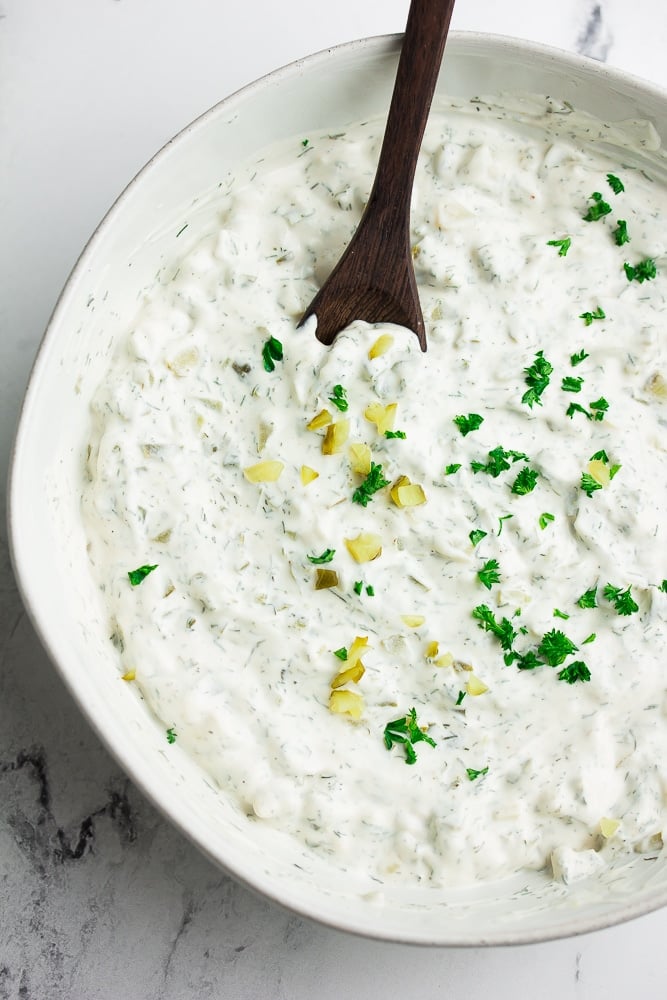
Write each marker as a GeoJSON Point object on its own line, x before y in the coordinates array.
{"type": "Point", "coordinates": [374, 280]}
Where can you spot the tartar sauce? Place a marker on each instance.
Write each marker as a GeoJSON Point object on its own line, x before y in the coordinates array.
{"type": "Point", "coordinates": [477, 686]}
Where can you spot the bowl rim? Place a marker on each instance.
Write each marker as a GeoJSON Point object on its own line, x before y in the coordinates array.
{"type": "Point", "coordinates": [139, 772]}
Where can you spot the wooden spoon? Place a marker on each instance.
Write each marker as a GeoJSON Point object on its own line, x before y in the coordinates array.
{"type": "Point", "coordinates": [374, 280]}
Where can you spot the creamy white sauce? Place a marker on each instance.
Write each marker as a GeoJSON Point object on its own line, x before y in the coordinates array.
{"type": "Point", "coordinates": [227, 639]}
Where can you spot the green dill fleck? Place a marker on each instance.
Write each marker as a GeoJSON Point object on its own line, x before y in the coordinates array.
{"type": "Point", "coordinates": [545, 519]}
{"type": "Point", "coordinates": [588, 317]}
{"type": "Point", "coordinates": [505, 517]}
{"type": "Point", "coordinates": [358, 587]}
{"type": "Point", "coordinates": [560, 614]}
{"type": "Point", "coordinates": [645, 270]}
{"type": "Point", "coordinates": [537, 379]}
{"type": "Point", "coordinates": [341, 653]}
{"type": "Point", "coordinates": [503, 631]}
{"type": "Point", "coordinates": [598, 209]}
{"type": "Point", "coordinates": [451, 469]}
{"type": "Point", "coordinates": [555, 647]}
{"type": "Point", "coordinates": [468, 423]}
{"type": "Point", "coordinates": [395, 434]}
{"type": "Point", "coordinates": [563, 245]}
{"type": "Point", "coordinates": [136, 576]}
{"type": "Point", "coordinates": [171, 735]}
{"type": "Point", "coordinates": [459, 698]}
{"type": "Point", "coordinates": [326, 557]}
{"type": "Point", "coordinates": [373, 482]}
{"type": "Point", "coordinates": [272, 352]}
{"type": "Point", "coordinates": [622, 600]}
{"type": "Point", "coordinates": [576, 359]}
{"type": "Point", "coordinates": [589, 599]}
{"type": "Point", "coordinates": [472, 773]}
{"type": "Point", "coordinates": [575, 671]}
{"type": "Point", "coordinates": [525, 482]}
{"type": "Point", "coordinates": [615, 184]}
{"type": "Point", "coordinates": [620, 234]}
{"type": "Point", "coordinates": [588, 484]}
{"type": "Point", "coordinates": [339, 398]}
{"type": "Point", "coordinates": [489, 573]}
{"type": "Point", "coordinates": [304, 142]}
{"type": "Point", "coordinates": [181, 230]}
{"type": "Point", "coordinates": [589, 638]}
{"type": "Point", "coordinates": [476, 536]}
{"type": "Point", "coordinates": [407, 732]}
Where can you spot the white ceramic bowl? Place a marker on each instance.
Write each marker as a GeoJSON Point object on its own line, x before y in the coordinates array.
{"type": "Point", "coordinates": [328, 89]}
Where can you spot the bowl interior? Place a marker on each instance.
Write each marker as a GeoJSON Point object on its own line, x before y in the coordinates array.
{"type": "Point", "coordinates": [143, 233]}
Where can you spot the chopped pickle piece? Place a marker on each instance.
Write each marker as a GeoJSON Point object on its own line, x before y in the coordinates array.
{"type": "Point", "coordinates": [608, 827]}
{"type": "Point", "coordinates": [657, 385]}
{"type": "Point", "coordinates": [381, 346]}
{"type": "Point", "coordinates": [360, 458]}
{"type": "Point", "coordinates": [335, 437]}
{"type": "Point", "coordinates": [359, 646]}
{"type": "Point", "coordinates": [321, 420]}
{"type": "Point", "coordinates": [325, 578]}
{"type": "Point", "coordinates": [474, 686]}
{"type": "Point", "coordinates": [263, 472]}
{"type": "Point", "coordinates": [399, 484]}
{"type": "Point", "coordinates": [410, 495]}
{"type": "Point", "coordinates": [183, 362]}
{"type": "Point", "coordinates": [382, 416]}
{"type": "Point", "coordinates": [432, 650]}
{"type": "Point", "coordinates": [130, 675]}
{"type": "Point", "coordinates": [343, 702]}
{"type": "Point", "coordinates": [413, 621]}
{"type": "Point", "coordinates": [308, 474]}
{"type": "Point", "coordinates": [353, 674]}
{"type": "Point", "coordinates": [445, 660]}
{"type": "Point", "coordinates": [599, 471]}
{"type": "Point", "coordinates": [365, 547]}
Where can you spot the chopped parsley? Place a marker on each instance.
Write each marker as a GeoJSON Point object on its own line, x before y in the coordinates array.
{"type": "Point", "coordinates": [341, 653]}
{"type": "Point", "coordinates": [505, 517]}
{"type": "Point", "coordinates": [326, 557]}
{"type": "Point", "coordinates": [545, 519]}
{"type": "Point", "coordinates": [622, 600]}
{"type": "Point", "coordinates": [370, 590]}
{"type": "Point", "coordinates": [537, 379]}
{"type": "Point", "coordinates": [272, 352]}
{"type": "Point", "coordinates": [525, 482]}
{"type": "Point", "coordinates": [588, 484]}
{"type": "Point", "coordinates": [524, 661]}
{"type": "Point", "coordinates": [645, 270]}
{"type": "Point", "coordinates": [339, 398]}
{"type": "Point", "coordinates": [136, 576]}
{"type": "Point", "coordinates": [555, 647]}
{"type": "Point", "coordinates": [576, 359]}
{"type": "Point", "coordinates": [572, 383]}
{"type": "Point", "coordinates": [589, 638]}
{"type": "Point", "coordinates": [476, 536]}
{"type": "Point", "coordinates": [503, 631]}
{"type": "Point", "coordinates": [620, 234]}
{"type": "Point", "coordinates": [663, 587]}
{"type": "Point", "coordinates": [575, 671]}
{"type": "Point", "coordinates": [589, 599]}
{"type": "Point", "coordinates": [577, 408]}
{"type": "Point", "coordinates": [406, 731]}
{"type": "Point", "coordinates": [588, 317]}
{"type": "Point", "coordinates": [472, 773]}
{"type": "Point", "coordinates": [563, 245]}
{"type": "Point", "coordinates": [469, 423]}
{"type": "Point", "coordinates": [358, 587]}
{"type": "Point", "coordinates": [498, 461]}
{"type": "Point", "coordinates": [460, 696]}
{"type": "Point", "coordinates": [489, 573]}
{"type": "Point", "coordinates": [615, 184]}
{"type": "Point", "coordinates": [598, 209]}
{"type": "Point", "coordinates": [171, 735]}
{"type": "Point", "coordinates": [373, 482]}
{"type": "Point", "coordinates": [599, 408]}
{"type": "Point", "coordinates": [560, 614]}
{"type": "Point", "coordinates": [451, 469]}
{"type": "Point", "coordinates": [395, 434]}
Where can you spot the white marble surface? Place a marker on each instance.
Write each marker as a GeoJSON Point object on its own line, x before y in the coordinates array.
{"type": "Point", "coordinates": [99, 897]}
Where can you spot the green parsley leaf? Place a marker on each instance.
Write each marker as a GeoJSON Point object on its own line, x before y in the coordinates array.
{"type": "Point", "coordinates": [358, 587]}
{"type": "Point", "coordinates": [525, 482]}
{"type": "Point", "coordinates": [503, 630]}
{"type": "Point", "coordinates": [572, 383]}
{"type": "Point", "coordinates": [620, 234]}
{"type": "Point", "coordinates": [622, 600]}
{"type": "Point", "coordinates": [600, 456]}
{"type": "Point", "coordinates": [472, 773]}
{"type": "Point", "coordinates": [373, 482]}
{"type": "Point", "coordinates": [576, 359]}
{"type": "Point", "coordinates": [470, 423]}
{"type": "Point", "coordinates": [339, 398]}
{"type": "Point", "coordinates": [489, 573]}
{"type": "Point", "coordinates": [395, 434]}
{"type": "Point", "coordinates": [370, 590]}
{"type": "Point", "coordinates": [537, 379]}
{"type": "Point", "coordinates": [272, 352]}
{"type": "Point", "coordinates": [459, 698]}
{"type": "Point", "coordinates": [589, 638]}
{"type": "Point", "coordinates": [575, 671]}
{"type": "Point", "coordinates": [171, 735]}
{"type": "Point", "coordinates": [588, 317]}
{"type": "Point", "coordinates": [577, 408]}
{"type": "Point", "coordinates": [589, 599]}
{"type": "Point", "coordinates": [326, 557]}
{"type": "Point", "coordinates": [545, 518]}
{"type": "Point", "coordinates": [136, 576]}
{"type": "Point", "coordinates": [505, 517]}
{"type": "Point", "coordinates": [645, 270]}
{"type": "Point", "coordinates": [598, 209]}
{"type": "Point", "coordinates": [615, 184]}
{"type": "Point", "coordinates": [663, 587]}
{"type": "Point", "coordinates": [527, 661]}
{"type": "Point", "coordinates": [599, 408]}
{"type": "Point", "coordinates": [560, 614]}
{"type": "Point", "coordinates": [498, 461]}
{"type": "Point", "coordinates": [304, 142]}
{"type": "Point", "coordinates": [588, 484]}
{"type": "Point", "coordinates": [476, 536]}
{"type": "Point", "coordinates": [451, 469]}
{"type": "Point", "coordinates": [406, 731]}
{"type": "Point", "coordinates": [341, 653]}
{"type": "Point", "coordinates": [563, 244]}
{"type": "Point", "coordinates": [556, 647]}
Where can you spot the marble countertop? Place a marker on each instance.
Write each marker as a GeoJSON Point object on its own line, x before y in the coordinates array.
{"type": "Point", "coordinates": [100, 897]}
